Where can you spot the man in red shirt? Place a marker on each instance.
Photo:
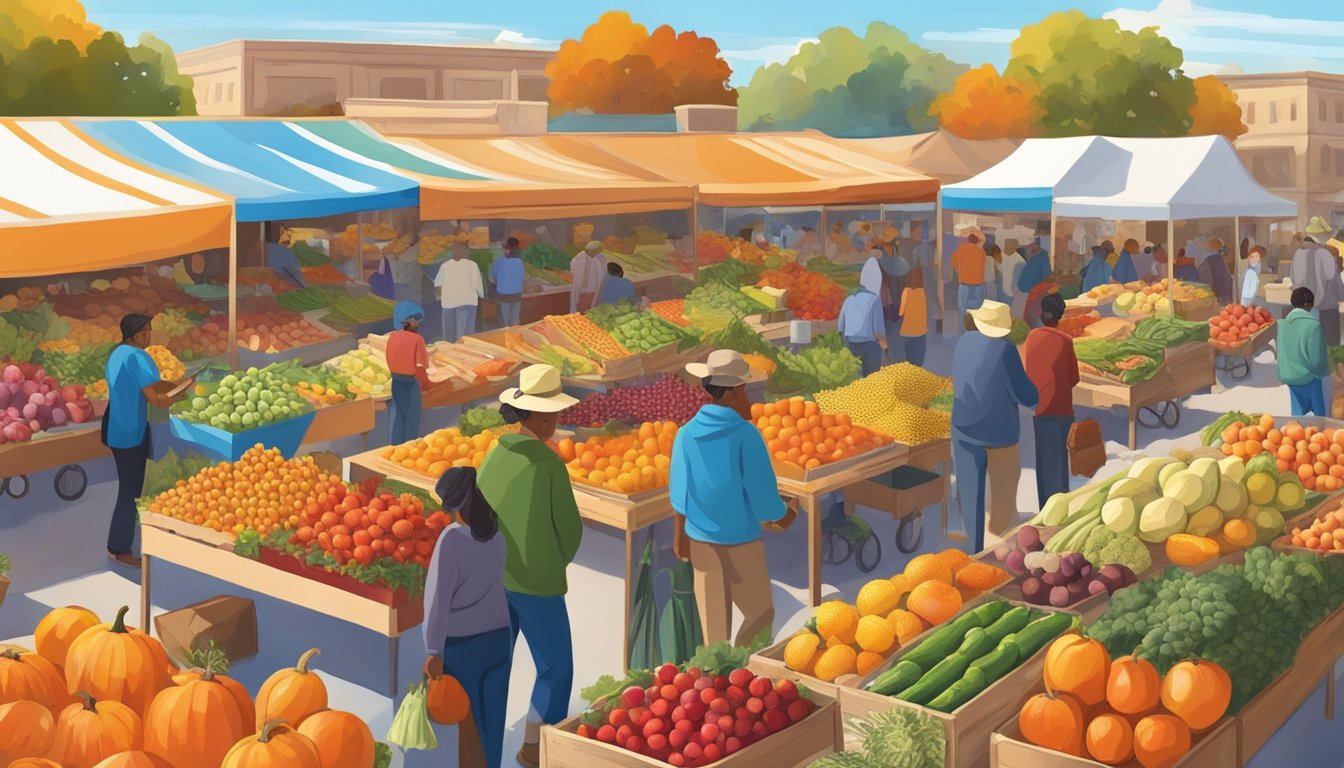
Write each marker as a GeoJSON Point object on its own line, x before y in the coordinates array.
{"type": "Point", "coordinates": [1053, 368]}
{"type": "Point", "coordinates": [408, 361]}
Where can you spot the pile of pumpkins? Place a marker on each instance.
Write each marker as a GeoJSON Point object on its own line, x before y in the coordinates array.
{"type": "Point", "coordinates": [97, 695]}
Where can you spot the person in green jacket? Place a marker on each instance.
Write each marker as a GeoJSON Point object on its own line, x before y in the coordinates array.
{"type": "Point", "coordinates": [1303, 365]}
{"type": "Point", "coordinates": [528, 485]}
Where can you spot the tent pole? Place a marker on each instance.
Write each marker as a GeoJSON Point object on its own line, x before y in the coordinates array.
{"type": "Point", "coordinates": [233, 289]}
{"type": "Point", "coordinates": [938, 259]}
{"type": "Point", "coordinates": [1171, 264]}
{"type": "Point", "coordinates": [695, 234]}
{"type": "Point", "coordinates": [1054, 242]}
{"type": "Point", "coordinates": [1238, 266]}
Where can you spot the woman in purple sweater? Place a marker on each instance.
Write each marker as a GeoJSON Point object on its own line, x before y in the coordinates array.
{"type": "Point", "coordinates": [466, 615]}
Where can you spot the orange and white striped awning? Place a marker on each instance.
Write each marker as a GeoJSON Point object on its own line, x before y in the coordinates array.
{"type": "Point", "coordinates": [70, 205]}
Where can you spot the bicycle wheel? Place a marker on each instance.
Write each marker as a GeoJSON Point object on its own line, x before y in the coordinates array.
{"type": "Point", "coordinates": [910, 533]}
{"type": "Point", "coordinates": [831, 552]}
{"type": "Point", "coordinates": [17, 486]}
{"type": "Point", "coordinates": [868, 554]}
{"type": "Point", "coordinates": [71, 481]}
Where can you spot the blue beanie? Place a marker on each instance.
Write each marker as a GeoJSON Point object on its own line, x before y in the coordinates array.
{"type": "Point", "coordinates": [405, 310]}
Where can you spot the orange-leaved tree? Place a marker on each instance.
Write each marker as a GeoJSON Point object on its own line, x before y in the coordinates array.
{"type": "Point", "coordinates": [1215, 110]}
{"type": "Point", "coordinates": [986, 105]}
{"type": "Point", "coordinates": [617, 67]}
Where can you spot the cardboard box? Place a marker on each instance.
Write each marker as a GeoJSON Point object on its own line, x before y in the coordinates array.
{"type": "Point", "coordinates": [231, 622]}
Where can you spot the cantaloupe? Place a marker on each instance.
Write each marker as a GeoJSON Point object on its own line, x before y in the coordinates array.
{"type": "Point", "coordinates": [1162, 518]}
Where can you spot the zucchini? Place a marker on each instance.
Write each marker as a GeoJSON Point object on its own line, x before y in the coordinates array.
{"type": "Point", "coordinates": [962, 691]}
{"type": "Point", "coordinates": [976, 644]}
{"type": "Point", "coordinates": [936, 680]}
{"type": "Point", "coordinates": [1010, 622]}
{"type": "Point", "coordinates": [901, 676]}
{"type": "Point", "coordinates": [1036, 634]}
{"type": "Point", "coordinates": [1000, 661]}
{"type": "Point", "coordinates": [943, 642]}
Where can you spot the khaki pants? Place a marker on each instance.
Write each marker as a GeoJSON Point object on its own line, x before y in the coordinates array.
{"type": "Point", "coordinates": [727, 576]}
{"type": "Point", "coordinates": [987, 481]}
{"type": "Point", "coordinates": [1005, 471]}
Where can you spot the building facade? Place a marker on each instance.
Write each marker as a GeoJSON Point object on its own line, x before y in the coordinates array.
{"type": "Point", "coordinates": [297, 78]}
{"type": "Point", "coordinates": [1294, 145]}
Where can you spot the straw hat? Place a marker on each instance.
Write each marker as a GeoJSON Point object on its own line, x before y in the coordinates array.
{"type": "Point", "coordinates": [1317, 226]}
{"type": "Point", "coordinates": [994, 319]}
{"type": "Point", "coordinates": [593, 247]}
{"type": "Point", "coordinates": [723, 368]}
{"type": "Point", "coordinates": [538, 391]}
{"type": "Point", "coordinates": [974, 232]}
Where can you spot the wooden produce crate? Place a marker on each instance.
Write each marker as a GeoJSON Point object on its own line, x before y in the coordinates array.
{"type": "Point", "coordinates": [967, 728]}
{"type": "Point", "coordinates": [899, 492]}
{"type": "Point", "coordinates": [1007, 749]}
{"type": "Point", "coordinates": [614, 369]}
{"type": "Point", "coordinates": [769, 662]}
{"type": "Point", "coordinates": [820, 733]}
{"type": "Point", "coordinates": [791, 471]}
{"type": "Point", "coordinates": [187, 530]}
{"type": "Point", "coordinates": [492, 342]}
{"type": "Point", "coordinates": [332, 422]}
{"type": "Point", "coordinates": [1197, 309]}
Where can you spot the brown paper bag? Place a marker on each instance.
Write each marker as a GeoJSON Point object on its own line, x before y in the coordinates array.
{"type": "Point", "coordinates": [1087, 450]}
{"type": "Point", "coordinates": [231, 622]}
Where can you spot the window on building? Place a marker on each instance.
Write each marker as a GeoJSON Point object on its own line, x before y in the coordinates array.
{"type": "Point", "coordinates": [1250, 112]}
{"type": "Point", "coordinates": [1339, 111]}
{"type": "Point", "coordinates": [1339, 161]}
{"type": "Point", "coordinates": [1292, 112]}
{"type": "Point", "coordinates": [1325, 161]}
{"type": "Point", "coordinates": [1273, 112]}
{"type": "Point", "coordinates": [1273, 168]}
{"type": "Point", "coordinates": [219, 93]}
{"type": "Point", "coordinates": [404, 88]}
{"type": "Point", "coordinates": [1322, 113]}
{"type": "Point", "coordinates": [229, 92]}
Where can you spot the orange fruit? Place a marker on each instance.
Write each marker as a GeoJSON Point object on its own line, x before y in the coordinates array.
{"type": "Point", "coordinates": [868, 661]}
{"type": "Point", "coordinates": [928, 568]}
{"type": "Point", "coordinates": [980, 576]}
{"type": "Point", "coordinates": [934, 601]}
{"type": "Point", "coordinates": [906, 624]}
{"type": "Point", "coordinates": [953, 558]}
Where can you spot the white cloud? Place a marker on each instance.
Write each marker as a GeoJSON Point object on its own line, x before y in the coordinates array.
{"type": "Point", "coordinates": [980, 35]}
{"type": "Point", "coordinates": [768, 53]}
{"type": "Point", "coordinates": [1212, 33]}
{"type": "Point", "coordinates": [510, 37]}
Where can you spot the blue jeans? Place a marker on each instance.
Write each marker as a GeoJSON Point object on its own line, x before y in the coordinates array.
{"type": "Point", "coordinates": [509, 312]}
{"type": "Point", "coordinates": [481, 663]}
{"type": "Point", "coordinates": [895, 350]}
{"type": "Point", "coordinates": [544, 621]}
{"type": "Point", "coordinates": [970, 297]}
{"type": "Point", "coordinates": [1308, 398]}
{"type": "Point", "coordinates": [1052, 455]}
{"type": "Point", "coordinates": [869, 354]}
{"type": "Point", "coordinates": [458, 322]}
{"type": "Point", "coordinates": [914, 349]}
{"type": "Point", "coordinates": [403, 416]}
{"type": "Point", "coordinates": [971, 463]}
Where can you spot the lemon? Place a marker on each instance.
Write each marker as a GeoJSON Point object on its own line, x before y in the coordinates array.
{"type": "Point", "coordinates": [836, 661]}
{"type": "Point", "coordinates": [878, 598]}
{"type": "Point", "coordinates": [800, 650]}
{"type": "Point", "coordinates": [875, 634]}
{"type": "Point", "coordinates": [836, 619]}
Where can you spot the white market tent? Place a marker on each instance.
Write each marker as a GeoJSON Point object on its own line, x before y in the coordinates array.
{"type": "Point", "coordinates": [1041, 170]}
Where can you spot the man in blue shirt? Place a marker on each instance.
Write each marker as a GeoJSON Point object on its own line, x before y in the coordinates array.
{"type": "Point", "coordinates": [132, 385]}
{"type": "Point", "coordinates": [861, 322]}
{"type": "Point", "coordinates": [723, 489]}
{"type": "Point", "coordinates": [988, 386]}
{"type": "Point", "coordinates": [507, 275]}
{"type": "Point", "coordinates": [616, 287]}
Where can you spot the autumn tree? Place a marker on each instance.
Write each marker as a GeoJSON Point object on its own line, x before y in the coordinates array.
{"type": "Point", "coordinates": [1215, 110]}
{"type": "Point", "coordinates": [985, 105]}
{"type": "Point", "coordinates": [617, 67]}
{"type": "Point", "coordinates": [53, 61]}
{"type": "Point", "coordinates": [877, 84]}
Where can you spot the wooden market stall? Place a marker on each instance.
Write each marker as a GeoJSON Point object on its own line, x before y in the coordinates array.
{"type": "Point", "coordinates": [1185, 370]}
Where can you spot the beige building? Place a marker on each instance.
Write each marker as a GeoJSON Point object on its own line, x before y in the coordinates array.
{"type": "Point", "coordinates": [283, 77]}
{"type": "Point", "coordinates": [1295, 143]}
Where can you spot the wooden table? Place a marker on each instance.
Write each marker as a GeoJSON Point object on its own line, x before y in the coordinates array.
{"type": "Point", "coordinates": [333, 422]}
{"type": "Point", "coordinates": [1186, 370]}
{"type": "Point", "coordinates": [809, 492]}
{"type": "Point", "coordinates": [221, 563]}
{"type": "Point", "coordinates": [1236, 360]}
{"type": "Point", "coordinates": [626, 515]}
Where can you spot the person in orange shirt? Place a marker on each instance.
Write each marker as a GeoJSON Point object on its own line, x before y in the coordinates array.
{"type": "Point", "coordinates": [968, 261]}
{"type": "Point", "coordinates": [408, 361]}
{"type": "Point", "coordinates": [914, 317]}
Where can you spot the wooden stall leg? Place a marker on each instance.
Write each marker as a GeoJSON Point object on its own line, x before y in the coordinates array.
{"type": "Point", "coordinates": [1133, 428]}
{"type": "Point", "coordinates": [144, 594]}
{"type": "Point", "coordinates": [393, 651]}
{"type": "Point", "coordinates": [629, 594]}
{"type": "Point", "coordinates": [946, 469]}
{"type": "Point", "coordinates": [812, 508]}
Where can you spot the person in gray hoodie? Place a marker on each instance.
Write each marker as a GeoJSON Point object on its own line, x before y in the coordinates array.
{"type": "Point", "coordinates": [1315, 268]}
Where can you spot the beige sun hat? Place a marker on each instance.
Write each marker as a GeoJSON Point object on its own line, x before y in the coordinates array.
{"type": "Point", "coordinates": [1317, 226]}
{"type": "Point", "coordinates": [723, 368]}
{"type": "Point", "coordinates": [538, 390]}
{"type": "Point", "coordinates": [994, 319]}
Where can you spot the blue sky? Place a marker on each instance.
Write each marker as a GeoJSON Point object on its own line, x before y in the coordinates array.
{"type": "Point", "coordinates": [1288, 35]}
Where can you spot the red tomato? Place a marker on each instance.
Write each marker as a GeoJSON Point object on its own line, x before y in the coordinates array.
{"type": "Point", "coordinates": [341, 541]}
{"type": "Point", "coordinates": [403, 529]}
{"type": "Point", "coordinates": [364, 554]}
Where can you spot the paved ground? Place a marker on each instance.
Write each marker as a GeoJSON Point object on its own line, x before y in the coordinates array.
{"type": "Point", "coordinates": [58, 554]}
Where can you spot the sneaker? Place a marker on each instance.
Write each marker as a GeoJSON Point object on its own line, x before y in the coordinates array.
{"type": "Point", "coordinates": [530, 755]}
{"type": "Point", "coordinates": [125, 559]}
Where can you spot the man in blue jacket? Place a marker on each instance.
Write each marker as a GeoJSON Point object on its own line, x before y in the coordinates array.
{"type": "Point", "coordinates": [988, 386]}
{"type": "Point", "coordinates": [723, 490]}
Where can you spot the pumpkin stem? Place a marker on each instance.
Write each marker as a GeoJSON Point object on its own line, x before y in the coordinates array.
{"type": "Point", "coordinates": [11, 654]}
{"type": "Point", "coordinates": [90, 703]}
{"type": "Point", "coordinates": [267, 729]}
{"type": "Point", "coordinates": [119, 625]}
{"type": "Point", "coordinates": [302, 666]}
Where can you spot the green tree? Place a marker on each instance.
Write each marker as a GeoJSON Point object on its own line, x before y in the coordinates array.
{"type": "Point", "coordinates": [1093, 77]}
{"type": "Point", "coordinates": [880, 84]}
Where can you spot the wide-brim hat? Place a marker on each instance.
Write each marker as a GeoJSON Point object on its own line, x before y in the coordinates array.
{"type": "Point", "coordinates": [723, 368]}
{"type": "Point", "coordinates": [539, 390]}
{"type": "Point", "coordinates": [994, 319]}
{"type": "Point", "coordinates": [1317, 226]}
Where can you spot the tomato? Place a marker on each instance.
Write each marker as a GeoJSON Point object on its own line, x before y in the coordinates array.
{"type": "Point", "coordinates": [402, 529]}
{"type": "Point", "coordinates": [385, 521]}
{"type": "Point", "coordinates": [618, 717]}
{"type": "Point", "coordinates": [417, 520]}
{"type": "Point", "coordinates": [342, 541]}
{"type": "Point", "coordinates": [424, 548]}
{"type": "Point", "coordinates": [364, 554]}
{"type": "Point", "coordinates": [396, 512]}
{"type": "Point", "coordinates": [378, 505]}
{"type": "Point", "coordinates": [304, 534]}
{"type": "Point", "coordinates": [330, 518]}
{"type": "Point", "coordinates": [375, 531]}
{"type": "Point", "coordinates": [361, 537]}
{"type": "Point", "coordinates": [324, 540]}
{"type": "Point", "coordinates": [351, 519]}
{"type": "Point", "coordinates": [405, 550]}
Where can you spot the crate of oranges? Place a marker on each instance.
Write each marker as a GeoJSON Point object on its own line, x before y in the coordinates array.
{"type": "Point", "coordinates": [806, 444]}
{"type": "Point", "coordinates": [631, 466]}
{"type": "Point", "coordinates": [576, 333]}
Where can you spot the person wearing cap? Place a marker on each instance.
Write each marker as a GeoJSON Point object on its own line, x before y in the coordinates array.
{"type": "Point", "coordinates": [1051, 364]}
{"type": "Point", "coordinates": [408, 362]}
{"type": "Point", "coordinates": [586, 270]}
{"type": "Point", "coordinates": [723, 489]}
{"type": "Point", "coordinates": [528, 486]}
{"type": "Point", "coordinates": [988, 386]}
{"type": "Point", "coordinates": [617, 287]}
{"type": "Point", "coordinates": [1303, 362]}
{"type": "Point", "coordinates": [466, 627]}
{"type": "Point", "coordinates": [133, 384]}
{"type": "Point", "coordinates": [1213, 272]}
{"type": "Point", "coordinates": [968, 261]}
{"type": "Point", "coordinates": [861, 324]}
{"type": "Point", "coordinates": [1125, 270]}
{"type": "Point", "coordinates": [460, 290]}
{"type": "Point", "coordinates": [1313, 267]}
{"type": "Point", "coordinates": [507, 275]}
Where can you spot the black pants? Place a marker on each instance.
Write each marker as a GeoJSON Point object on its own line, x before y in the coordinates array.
{"type": "Point", "coordinates": [130, 485]}
{"type": "Point", "coordinates": [1052, 455]}
{"type": "Point", "coordinates": [1330, 326]}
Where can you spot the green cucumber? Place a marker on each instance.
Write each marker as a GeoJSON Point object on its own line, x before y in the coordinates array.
{"type": "Point", "coordinates": [901, 676]}
{"type": "Point", "coordinates": [1010, 622]}
{"type": "Point", "coordinates": [962, 691]}
{"type": "Point", "coordinates": [936, 680]}
{"type": "Point", "coordinates": [1036, 634]}
{"type": "Point", "coordinates": [1000, 661]}
{"type": "Point", "coordinates": [976, 644]}
{"type": "Point", "coordinates": [943, 642]}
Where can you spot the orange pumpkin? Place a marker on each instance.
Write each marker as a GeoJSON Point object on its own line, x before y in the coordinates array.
{"type": "Point", "coordinates": [1078, 665]}
{"type": "Point", "coordinates": [195, 722]}
{"type": "Point", "coordinates": [26, 730]}
{"type": "Point", "coordinates": [291, 694]}
{"type": "Point", "coordinates": [33, 762]}
{"type": "Point", "coordinates": [1133, 685]}
{"type": "Point", "coordinates": [119, 663]}
{"type": "Point", "coordinates": [134, 759]}
{"type": "Point", "coordinates": [1160, 741]}
{"type": "Point", "coordinates": [91, 731]}
{"type": "Point", "coordinates": [274, 745]}
{"type": "Point", "coordinates": [245, 705]}
{"type": "Point", "coordinates": [342, 740]}
{"type": "Point", "coordinates": [25, 676]}
{"type": "Point", "coordinates": [1110, 739]}
{"type": "Point", "coordinates": [1054, 721]}
{"type": "Point", "coordinates": [1198, 692]}
{"type": "Point", "coordinates": [448, 702]}
{"type": "Point", "coordinates": [58, 629]}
